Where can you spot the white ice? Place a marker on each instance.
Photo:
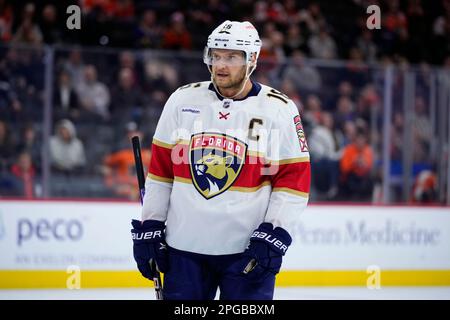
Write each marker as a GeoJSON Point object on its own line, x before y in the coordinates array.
{"type": "Point", "coordinates": [298, 293]}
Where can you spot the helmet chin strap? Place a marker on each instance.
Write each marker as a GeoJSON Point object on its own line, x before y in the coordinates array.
{"type": "Point", "coordinates": [247, 76]}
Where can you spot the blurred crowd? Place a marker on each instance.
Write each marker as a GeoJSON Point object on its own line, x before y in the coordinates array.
{"type": "Point", "coordinates": [102, 97]}
{"type": "Point", "coordinates": [412, 30]}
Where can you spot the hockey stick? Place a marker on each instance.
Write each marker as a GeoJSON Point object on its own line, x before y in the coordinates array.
{"type": "Point", "coordinates": [141, 182]}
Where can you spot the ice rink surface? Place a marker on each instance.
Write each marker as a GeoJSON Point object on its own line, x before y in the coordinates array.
{"type": "Point", "coordinates": [300, 293]}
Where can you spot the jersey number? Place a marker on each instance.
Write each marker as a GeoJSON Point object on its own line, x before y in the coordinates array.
{"type": "Point", "coordinates": [277, 94]}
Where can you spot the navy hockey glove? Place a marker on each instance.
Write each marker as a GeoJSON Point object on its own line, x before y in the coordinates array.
{"type": "Point", "coordinates": [149, 245]}
{"type": "Point", "coordinates": [265, 252]}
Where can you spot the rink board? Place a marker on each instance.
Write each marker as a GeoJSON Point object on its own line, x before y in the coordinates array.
{"type": "Point", "coordinates": [58, 244]}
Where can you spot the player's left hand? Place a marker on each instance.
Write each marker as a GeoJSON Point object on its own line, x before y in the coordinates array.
{"type": "Point", "coordinates": [265, 252]}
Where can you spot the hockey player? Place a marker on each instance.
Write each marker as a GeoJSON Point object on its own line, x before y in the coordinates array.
{"type": "Point", "coordinates": [228, 179]}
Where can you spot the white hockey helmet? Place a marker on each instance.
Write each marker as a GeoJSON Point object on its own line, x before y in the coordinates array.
{"type": "Point", "coordinates": [234, 35]}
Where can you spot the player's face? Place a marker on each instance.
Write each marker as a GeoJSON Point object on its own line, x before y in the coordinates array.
{"type": "Point", "coordinates": [228, 67]}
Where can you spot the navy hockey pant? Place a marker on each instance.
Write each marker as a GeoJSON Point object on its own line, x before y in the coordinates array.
{"type": "Point", "coordinates": [196, 277]}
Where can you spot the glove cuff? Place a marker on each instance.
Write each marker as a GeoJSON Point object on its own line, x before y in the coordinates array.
{"type": "Point", "coordinates": [278, 239]}
{"type": "Point", "coordinates": [147, 224]}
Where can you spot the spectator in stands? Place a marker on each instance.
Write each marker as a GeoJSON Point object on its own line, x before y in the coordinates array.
{"type": "Point", "coordinates": [345, 89]}
{"type": "Point", "coordinates": [425, 187]}
{"type": "Point", "coordinates": [393, 22]}
{"type": "Point", "coordinates": [442, 21]}
{"type": "Point", "coordinates": [356, 164]}
{"type": "Point", "coordinates": [74, 65]}
{"type": "Point", "coordinates": [367, 46]}
{"type": "Point", "coordinates": [422, 124]}
{"type": "Point", "coordinates": [52, 30]}
{"type": "Point", "coordinates": [292, 12]}
{"type": "Point", "coordinates": [313, 109]}
{"type": "Point", "coordinates": [148, 33]}
{"type": "Point", "coordinates": [312, 18]}
{"type": "Point", "coordinates": [349, 132]}
{"type": "Point", "coordinates": [322, 45]}
{"type": "Point", "coordinates": [345, 111]}
{"type": "Point", "coordinates": [119, 167]}
{"type": "Point", "coordinates": [287, 86]}
{"type": "Point", "coordinates": [65, 99]}
{"type": "Point", "coordinates": [7, 145]}
{"type": "Point", "coordinates": [441, 35]}
{"type": "Point", "coordinates": [367, 101]}
{"type": "Point", "coordinates": [127, 60]}
{"type": "Point", "coordinates": [159, 76]}
{"type": "Point", "coordinates": [66, 150]}
{"type": "Point", "coordinates": [260, 11]}
{"type": "Point", "coordinates": [306, 78]}
{"type": "Point", "coordinates": [276, 12]}
{"type": "Point", "coordinates": [356, 69]}
{"type": "Point", "coordinates": [28, 32]}
{"type": "Point", "coordinates": [9, 104]}
{"type": "Point", "coordinates": [294, 41]}
{"type": "Point", "coordinates": [121, 9]}
{"type": "Point", "coordinates": [277, 41]}
{"type": "Point", "coordinates": [395, 18]}
{"type": "Point", "coordinates": [127, 99]}
{"type": "Point", "coordinates": [177, 36]}
{"type": "Point", "coordinates": [29, 142]}
{"type": "Point", "coordinates": [201, 15]}
{"type": "Point", "coordinates": [325, 154]}
{"type": "Point", "coordinates": [6, 20]}
{"type": "Point", "coordinates": [93, 95]}
{"type": "Point", "coordinates": [24, 175]}
{"type": "Point", "coordinates": [415, 24]}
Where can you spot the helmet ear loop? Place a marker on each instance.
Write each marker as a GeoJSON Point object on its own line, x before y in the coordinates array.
{"type": "Point", "coordinates": [251, 67]}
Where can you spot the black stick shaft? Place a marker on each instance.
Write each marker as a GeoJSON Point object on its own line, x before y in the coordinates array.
{"type": "Point", "coordinates": [141, 182]}
{"type": "Point", "coordinates": [139, 166]}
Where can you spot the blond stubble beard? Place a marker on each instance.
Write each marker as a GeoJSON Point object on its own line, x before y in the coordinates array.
{"type": "Point", "coordinates": [233, 84]}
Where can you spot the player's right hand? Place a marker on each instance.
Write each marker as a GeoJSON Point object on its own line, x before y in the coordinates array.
{"type": "Point", "coordinates": [149, 245]}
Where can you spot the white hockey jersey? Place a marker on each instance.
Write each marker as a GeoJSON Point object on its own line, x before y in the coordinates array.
{"type": "Point", "coordinates": [221, 167]}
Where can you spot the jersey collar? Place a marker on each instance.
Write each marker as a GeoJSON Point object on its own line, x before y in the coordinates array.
{"type": "Point", "coordinates": [254, 91]}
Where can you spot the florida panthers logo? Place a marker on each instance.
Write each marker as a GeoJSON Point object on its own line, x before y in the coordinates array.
{"type": "Point", "coordinates": [216, 161]}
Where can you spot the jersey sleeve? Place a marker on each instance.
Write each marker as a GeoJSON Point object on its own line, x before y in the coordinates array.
{"type": "Point", "coordinates": [159, 181]}
{"type": "Point", "coordinates": [291, 171]}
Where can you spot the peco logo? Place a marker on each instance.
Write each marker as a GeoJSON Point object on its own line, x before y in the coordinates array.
{"type": "Point", "coordinates": [48, 230]}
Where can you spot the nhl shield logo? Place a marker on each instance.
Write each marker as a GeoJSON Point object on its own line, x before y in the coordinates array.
{"type": "Point", "coordinates": [215, 162]}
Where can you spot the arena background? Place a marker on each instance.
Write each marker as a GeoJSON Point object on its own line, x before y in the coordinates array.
{"type": "Point", "coordinates": [375, 221]}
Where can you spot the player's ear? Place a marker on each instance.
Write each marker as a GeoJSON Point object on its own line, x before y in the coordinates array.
{"type": "Point", "coordinates": [253, 59]}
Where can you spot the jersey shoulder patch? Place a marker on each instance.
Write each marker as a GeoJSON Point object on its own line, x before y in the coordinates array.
{"type": "Point", "coordinates": [300, 133]}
